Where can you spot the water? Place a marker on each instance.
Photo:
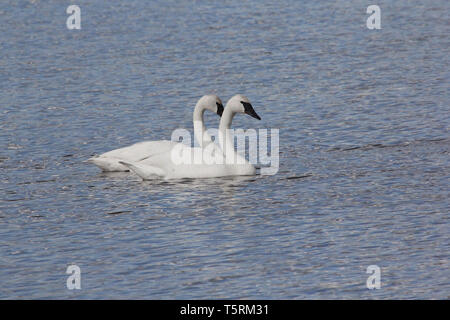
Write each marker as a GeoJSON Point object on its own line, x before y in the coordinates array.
{"type": "Point", "coordinates": [364, 150]}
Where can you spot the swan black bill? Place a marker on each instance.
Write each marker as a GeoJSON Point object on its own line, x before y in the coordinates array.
{"type": "Point", "coordinates": [249, 110]}
{"type": "Point", "coordinates": [219, 109]}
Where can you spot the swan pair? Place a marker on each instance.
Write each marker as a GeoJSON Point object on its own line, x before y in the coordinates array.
{"type": "Point", "coordinates": [150, 159]}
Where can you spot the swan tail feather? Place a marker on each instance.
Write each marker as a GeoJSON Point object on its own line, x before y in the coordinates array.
{"type": "Point", "coordinates": [108, 164]}
{"type": "Point", "coordinates": [146, 172]}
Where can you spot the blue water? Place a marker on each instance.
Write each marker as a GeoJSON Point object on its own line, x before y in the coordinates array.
{"type": "Point", "coordinates": [364, 149]}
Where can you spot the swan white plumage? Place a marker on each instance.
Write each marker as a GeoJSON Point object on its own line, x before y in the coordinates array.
{"type": "Point", "coordinates": [110, 161]}
{"type": "Point", "coordinates": [162, 165]}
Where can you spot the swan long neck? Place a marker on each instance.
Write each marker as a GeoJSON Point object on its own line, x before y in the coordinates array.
{"type": "Point", "coordinates": [200, 134]}
{"type": "Point", "coordinates": [225, 139]}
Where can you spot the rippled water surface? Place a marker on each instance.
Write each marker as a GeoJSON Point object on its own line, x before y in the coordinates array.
{"type": "Point", "coordinates": [364, 149]}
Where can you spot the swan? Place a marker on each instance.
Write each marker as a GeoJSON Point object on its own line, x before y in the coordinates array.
{"type": "Point", "coordinates": [109, 161]}
{"type": "Point", "coordinates": [162, 165]}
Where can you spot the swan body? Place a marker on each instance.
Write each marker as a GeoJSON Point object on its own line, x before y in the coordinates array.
{"type": "Point", "coordinates": [110, 161]}
{"type": "Point", "coordinates": [228, 162]}
{"type": "Point", "coordinates": [162, 166]}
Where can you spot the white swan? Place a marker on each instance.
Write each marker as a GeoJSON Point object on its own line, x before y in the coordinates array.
{"type": "Point", "coordinates": [109, 161]}
{"type": "Point", "coordinates": [162, 165]}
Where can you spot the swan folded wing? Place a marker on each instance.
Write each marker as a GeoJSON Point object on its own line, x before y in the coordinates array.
{"type": "Point", "coordinates": [109, 161]}
{"type": "Point", "coordinates": [140, 150]}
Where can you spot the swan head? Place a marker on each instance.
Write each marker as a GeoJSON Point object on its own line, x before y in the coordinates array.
{"type": "Point", "coordinates": [240, 104]}
{"type": "Point", "coordinates": [211, 102]}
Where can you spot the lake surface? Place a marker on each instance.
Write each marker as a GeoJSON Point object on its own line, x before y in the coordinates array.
{"type": "Point", "coordinates": [364, 150]}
